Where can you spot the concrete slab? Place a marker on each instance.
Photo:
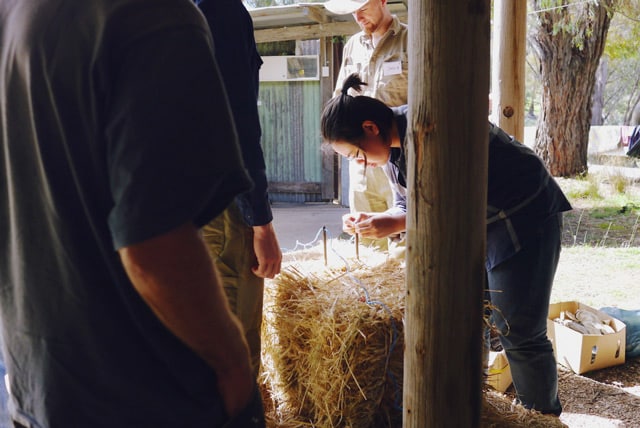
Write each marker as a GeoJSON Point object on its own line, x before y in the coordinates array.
{"type": "Point", "coordinates": [302, 223]}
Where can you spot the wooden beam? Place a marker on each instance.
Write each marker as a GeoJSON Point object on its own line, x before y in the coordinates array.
{"type": "Point", "coordinates": [308, 21]}
{"type": "Point", "coordinates": [316, 13]}
{"type": "Point", "coordinates": [306, 32]}
{"type": "Point", "coordinates": [508, 66]}
{"type": "Point", "coordinates": [446, 210]}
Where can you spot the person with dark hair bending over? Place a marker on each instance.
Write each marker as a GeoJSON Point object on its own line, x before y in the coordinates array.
{"type": "Point", "coordinates": [524, 223]}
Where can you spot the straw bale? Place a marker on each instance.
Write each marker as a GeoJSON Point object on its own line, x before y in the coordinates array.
{"type": "Point", "coordinates": [333, 344]}
{"type": "Point", "coordinates": [327, 337]}
{"type": "Point", "coordinates": [498, 411]}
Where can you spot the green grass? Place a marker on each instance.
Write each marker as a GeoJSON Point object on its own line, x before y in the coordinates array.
{"type": "Point", "coordinates": [599, 276]}
{"type": "Point", "coordinates": [588, 191]}
{"type": "Point", "coordinates": [610, 226]}
{"type": "Point", "coordinates": [602, 189]}
{"type": "Point", "coordinates": [606, 211]}
{"type": "Point", "coordinates": [619, 182]}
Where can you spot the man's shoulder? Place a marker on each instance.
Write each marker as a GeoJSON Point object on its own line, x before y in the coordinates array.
{"type": "Point", "coordinates": [398, 26]}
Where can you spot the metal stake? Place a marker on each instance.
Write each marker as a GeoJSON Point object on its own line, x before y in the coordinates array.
{"type": "Point", "coordinates": [357, 247]}
{"type": "Point", "coordinates": [324, 242]}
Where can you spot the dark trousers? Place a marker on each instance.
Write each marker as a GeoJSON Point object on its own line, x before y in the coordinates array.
{"type": "Point", "coordinates": [520, 290]}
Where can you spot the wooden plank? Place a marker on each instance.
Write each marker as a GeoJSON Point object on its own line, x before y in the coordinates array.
{"type": "Point", "coordinates": [291, 187]}
{"type": "Point", "coordinates": [307, 21]}
{"type": "Point", "coordinates": [306, 32]}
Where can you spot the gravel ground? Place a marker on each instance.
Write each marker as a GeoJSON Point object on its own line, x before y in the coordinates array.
{"type": "Point", "coordinates": [600, 266]}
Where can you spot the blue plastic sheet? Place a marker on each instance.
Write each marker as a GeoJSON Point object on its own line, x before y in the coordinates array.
{"type": "Point", "coordinates": [631, 318]}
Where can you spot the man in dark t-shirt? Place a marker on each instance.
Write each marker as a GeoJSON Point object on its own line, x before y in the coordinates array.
{"type": "Point", "coordinates": [117, 144]}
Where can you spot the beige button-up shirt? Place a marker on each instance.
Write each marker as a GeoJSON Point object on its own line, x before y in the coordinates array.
{"type": "Point", "coordinates": [385, 67]}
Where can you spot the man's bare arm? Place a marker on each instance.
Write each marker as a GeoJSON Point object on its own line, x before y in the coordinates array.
{"type": "Point", "coordinates": [175, 276]}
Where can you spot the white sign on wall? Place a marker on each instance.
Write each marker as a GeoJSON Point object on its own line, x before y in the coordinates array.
{"type": "Point", "coordinates": [287, 68]}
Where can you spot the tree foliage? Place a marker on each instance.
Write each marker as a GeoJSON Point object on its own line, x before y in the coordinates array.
{"type": "Point", "coordinates": [622, 90]}
{"type": "Point", "coordinates": [568, 40]}
{"type": "Point", "coordinates": [620, 66]}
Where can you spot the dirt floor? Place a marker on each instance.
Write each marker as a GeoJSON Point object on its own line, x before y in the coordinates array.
{"type": "Point", "coordinates": [601, 399]}
{"type": "Point", "coordinates": [600, 266]}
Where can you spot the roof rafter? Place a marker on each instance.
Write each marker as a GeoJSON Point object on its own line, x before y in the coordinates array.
{"type": "Point", "coordinates": [305, 21]}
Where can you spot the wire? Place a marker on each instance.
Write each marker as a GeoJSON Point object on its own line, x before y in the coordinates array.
{"type": "Point", "coordinates": [304, 245]}
{"type": "Point", "coordinates": [563, 6]}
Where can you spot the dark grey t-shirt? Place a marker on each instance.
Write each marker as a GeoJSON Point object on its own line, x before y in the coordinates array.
{"type": "Point", "coordinates": [113, 130]}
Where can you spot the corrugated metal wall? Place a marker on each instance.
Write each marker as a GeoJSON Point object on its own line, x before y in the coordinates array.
{"type": "Point", "coordinates": [290, 119]}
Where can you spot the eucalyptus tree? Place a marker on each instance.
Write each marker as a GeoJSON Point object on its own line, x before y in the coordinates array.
{"type": "Point", "coordinates": [568, 39]}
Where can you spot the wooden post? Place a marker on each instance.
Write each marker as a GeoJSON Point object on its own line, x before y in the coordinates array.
{"type": "Point", "coordinates": [447, 174]}
{"type": "Point", "coordinates": [507, 66]}
{"type": "Point", "coordinates": [330, 176]}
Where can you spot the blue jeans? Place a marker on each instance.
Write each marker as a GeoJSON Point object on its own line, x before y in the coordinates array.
{"type": "Point", "coordinates": [520, 290]}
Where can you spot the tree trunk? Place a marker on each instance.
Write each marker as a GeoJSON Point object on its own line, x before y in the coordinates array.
{"type": "Point", "coordinates": [568, 41]}
{"type": "Point", "coordinates": [597, 117]}
{"type": "Point", "coordinates": [447, 175]}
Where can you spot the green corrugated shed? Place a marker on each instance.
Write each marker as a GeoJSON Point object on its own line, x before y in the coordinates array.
{"type": "Point", "coordinates": [290, 119]}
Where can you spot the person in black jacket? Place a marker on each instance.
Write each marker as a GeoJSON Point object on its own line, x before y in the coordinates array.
{"type": "Point", "coordinates": [242, 240]}
{"type": "Point", "coordinates": [524, 223]}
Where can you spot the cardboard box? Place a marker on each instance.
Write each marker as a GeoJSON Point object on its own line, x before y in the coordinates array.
{"type": "Point", "coordinates": [585, 352]}
{"type": "Point", "coordinates": [499, 376]}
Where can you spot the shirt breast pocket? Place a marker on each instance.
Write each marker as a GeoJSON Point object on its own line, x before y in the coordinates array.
{"type": "Point", "coordinates": [394, 81]}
